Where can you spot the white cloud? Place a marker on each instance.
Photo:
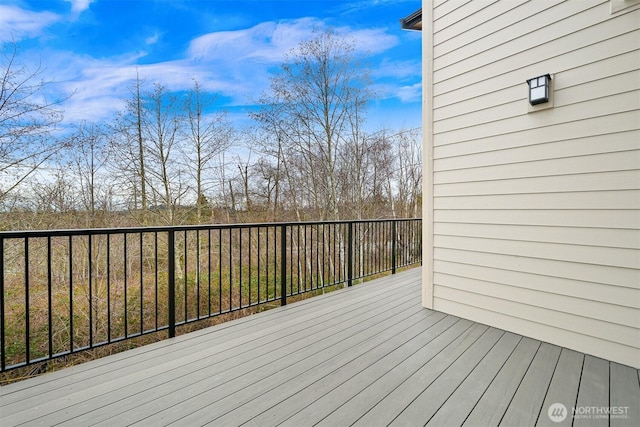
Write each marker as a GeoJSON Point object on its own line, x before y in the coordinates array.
{"type": "Point", "coordinates": [242, 58]}
{"type": "Point", "coordinates": [373, 40]}
{"type": "Point", "coordinates": [99, 86]}
{"type": "Point", "coordinates": [153, 39]}
{"type": "Point", "coordinates": [17, 23]}
{"type": "Point", "coordinates": [399, 69]}
{"type": "Point", "coordinates": [233, 64]}
{"type": "Point", "coordinates": [358, 5]}
{"type": "Point", "coordinates": [404, 93]}
{"type": "Point", "coordinates": [78, 6]}
{"type": "Point", "coordinates": [410, 93]}
{"type": "Point", "coordinates": [270, 41]}
{"type": "Point", "coordinates": [267, 41]}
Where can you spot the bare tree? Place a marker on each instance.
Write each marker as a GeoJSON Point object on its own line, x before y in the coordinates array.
{"type": "Point", "coordinates": [147, 161]}
{"type": "Point", "coordinates": [128, 143]}
{"type": "Point", "coordinates": [273, 166]}
{"type": "Point", "coordinates": [409, 171]}
{"type": "Point", "coordinates": [207, 135]}
{"type": "Point", "coordinates": [89, 156]}
{"type": "Point", "coordinates": [27, 117]}
{"type": "Point", "coordinates": [243, 168]}
{"type": "Point", "coordinates": [315, 100]}
{"type": "Point", "coordinates": [56, 195]}
{"type": "Point", "coordinates": [160, 124]}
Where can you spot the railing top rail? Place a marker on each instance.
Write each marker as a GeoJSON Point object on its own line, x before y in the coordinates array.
{"type": "Point", "coordinates": [161, 229]}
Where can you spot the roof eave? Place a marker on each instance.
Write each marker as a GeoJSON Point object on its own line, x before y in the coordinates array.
{"type": "Point", "coordinates": [412, 22]}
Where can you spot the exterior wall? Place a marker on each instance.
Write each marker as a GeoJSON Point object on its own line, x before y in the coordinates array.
{"type": "Point", "coordinates": [536, 214]}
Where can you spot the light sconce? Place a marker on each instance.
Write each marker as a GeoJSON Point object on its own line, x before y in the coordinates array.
{"type": "Point", "coordinates": [539, 89]}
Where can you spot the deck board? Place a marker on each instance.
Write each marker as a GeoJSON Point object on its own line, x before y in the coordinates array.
{"type": "Point", "coordinates": [564, 386]}
{"type": "Point", "coordinates": [358, 377]}
{"type": "Point", "coordinates": [625, 395]}
{"type": "Point", "coordinates": [361, 353]}
{"type": "Point", "coordinates": [526, 405]}
{"type": "Point", "coordinates": [352, 408]}
{"type": "Point", "coordinates": [170, 364]}
{"type": "Point", "coordinates": [368, 355]}
{"type": "Point", "coordinates": [490, 408]}
{"type": "Point", "coordinates": [594, 391]}
{"type": "Point", "coordinates": [230, 374]}
{"type": "Point", "coordinates": [434, 395]}
{"type": "Point", "coordinates": [237, 329]}
{"type": "Point", "coordinates": [395, 402]}
{"type": "Point", "coordinates": [333, 397]}
{"type": "Point", "coordinates": [455, 410]}
{"type": "Point", "coordinates": [254, 385]}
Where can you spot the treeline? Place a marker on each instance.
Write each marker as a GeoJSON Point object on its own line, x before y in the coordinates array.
{"type": "Point", "coordinates": [173, 158]}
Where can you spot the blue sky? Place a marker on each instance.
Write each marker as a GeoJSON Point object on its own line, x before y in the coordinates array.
{"type": "Point", "coordinates": [93, 48]}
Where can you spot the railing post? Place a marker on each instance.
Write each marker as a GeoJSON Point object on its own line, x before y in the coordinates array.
{"type": "Point", "coordinates": [393, 246]}
{"type": "Point", "coordinates": [171, 282]}
{"type": "Point", "coordinates": [2, 322]}
{"type": "Point", "coordinates": [350, 255]}
{"type": "Point", "coordinates": [420, 241]}
{"type": "Point", "coordinates": [283, 265]}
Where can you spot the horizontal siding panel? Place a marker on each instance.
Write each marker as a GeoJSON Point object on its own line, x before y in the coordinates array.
{"type": "Point", "coordinates": [542, 26]}
{"type": "Point", "coordinates": [603, 237]}
{"type": "Point", "coordinates": [570, 304]}
{"type": "Point", "coordinates": [604, 348]}
{"type": "Point", "coordinates": [487, 80]}
{"type": "Point", "coordinates": [583, 325]}
{"type": "Point", "coordinates": [624, 180]}
{"type": "Point", "coordinates": [474, 103]}
{"type": "Point", "coordinates": [444, 7]}
{"type": "Point", "coordinates": [519, 54]}
{"type": "Point", "coordinates": [455, 10]}
{"type": "Point", "coordinates": [595, 292]}
{"type": "Point", "coordinates": [610, 219]}
{"type": "Point", "coordinates": [604, 88]}
{"type": "Point", "coordinates": [590, 145]}
{"type": "Point", "coordinates": [615, 276]}
{"type": "Point", "coordinates": [575, 131]}
{"type": "Point", "coordinates": [484, 115]}
{"type": "Point", "coordinates": [607, 67]}
{"type": "Point", "coordinates": [620, 5]}
{"type": "Point", "coordinates": [628, 101]}
{"type": "Point", "coordinates": [627, 199]}
{"type": "Point", "coordinates": [614, 257]}
{"type": "Point", "coordinates": [594, 163]}
{"type": "Point", "coordinates": [491, 19]}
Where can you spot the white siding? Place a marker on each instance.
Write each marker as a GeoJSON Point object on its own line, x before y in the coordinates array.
{"type": "Point", "coordinates": [536, 215]}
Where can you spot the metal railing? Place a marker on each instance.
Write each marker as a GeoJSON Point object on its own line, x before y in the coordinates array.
{"type": "Point", "coordinates": [65, 291]}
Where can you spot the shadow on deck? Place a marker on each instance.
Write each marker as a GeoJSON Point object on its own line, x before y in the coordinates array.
{"type": "Point", "coordinates": [369, 355]}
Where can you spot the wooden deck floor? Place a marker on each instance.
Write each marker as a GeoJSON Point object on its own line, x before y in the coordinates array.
{"type": "Point", "coordinates": [368, 355]}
